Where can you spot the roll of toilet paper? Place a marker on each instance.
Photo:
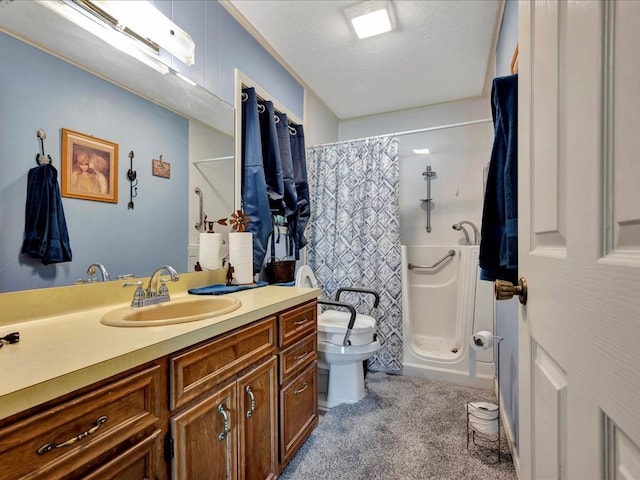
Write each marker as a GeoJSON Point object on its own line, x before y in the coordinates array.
{"type": "Point", "coordinates": [481, 340]}
{"type": "Point", "coordinates": [210, 256]}
{"type": "Point", "coordinates": [241, 257]}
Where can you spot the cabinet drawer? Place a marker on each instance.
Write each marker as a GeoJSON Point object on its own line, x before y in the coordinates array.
{"type": "Point", "coordinates": [298, 412]}
{"type": "Point", "coordinates": [59, 440]}
{"type": "Point", "coordinates": [297, 357]}
{"type": "Point", "coordinates": [297, 323]}
{"type": "Point", "coordinates": [197, 370]}
{"type": "Point", "coordinates": [138, 462]}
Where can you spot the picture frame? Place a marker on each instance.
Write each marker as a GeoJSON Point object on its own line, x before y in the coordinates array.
{"type": "Point", "coordinates": [89, 167]}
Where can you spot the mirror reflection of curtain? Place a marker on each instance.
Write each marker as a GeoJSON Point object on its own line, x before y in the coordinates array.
{"type": "Point", "coordinates": [290, 194]}
{"type": "Point", "coordinates": [274, 176]}
{"type": "Point", "coordinates": [354, 231]}
{"type": "Point", "coordinates": [255, 201]}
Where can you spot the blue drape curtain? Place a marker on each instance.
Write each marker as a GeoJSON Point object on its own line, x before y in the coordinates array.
{"type": "Point", "coordinates": [274, 176]}
{"type": "Point", "coordinates": [354, 232]}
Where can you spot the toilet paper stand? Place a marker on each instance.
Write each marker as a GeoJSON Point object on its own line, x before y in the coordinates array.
{"type": "Point", "coordinates": [478, 427]}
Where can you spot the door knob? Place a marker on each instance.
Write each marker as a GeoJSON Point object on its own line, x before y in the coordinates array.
{"type": "Point", "coordinates": [506, 290]}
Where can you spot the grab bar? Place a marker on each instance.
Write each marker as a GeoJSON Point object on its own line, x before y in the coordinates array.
{"type": "Point", "coordinates": [450, 253]}
{"type": "Point", "coordinates": [352, 319]}
{"type": "Point", "coordinates": [200, 226]}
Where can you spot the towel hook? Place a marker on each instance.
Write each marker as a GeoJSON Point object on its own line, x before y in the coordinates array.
{"type": "Point", "coordinates": [42, 158]}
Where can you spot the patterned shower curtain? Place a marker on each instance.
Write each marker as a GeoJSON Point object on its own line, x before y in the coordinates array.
{"type": "Point", "coordinates": [354, 232]}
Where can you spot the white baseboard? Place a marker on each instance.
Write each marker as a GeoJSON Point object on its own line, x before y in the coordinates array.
{"type": "Point", "coordinates": [506, 425]}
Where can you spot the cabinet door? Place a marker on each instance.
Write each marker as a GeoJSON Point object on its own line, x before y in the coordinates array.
{"type": "Point", "coordinates": [257, 422]}
{"type": "Point", "coordinates": [205, 438]}
{"type": "Point", "coordinates": [298, 412]}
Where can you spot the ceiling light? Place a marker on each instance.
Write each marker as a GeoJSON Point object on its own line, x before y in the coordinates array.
{"type": "Point", "coordinates": [421, 151]}
{"type": "Point", "coordinates": [371, 18]}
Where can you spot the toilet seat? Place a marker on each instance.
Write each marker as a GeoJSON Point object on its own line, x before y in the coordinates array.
{"type": "Point", "coordinates": [305, 277]}
{"type": "Point", "coordinates": [350, 353]}
{"type": "Point", "coordinates": [332, 327]}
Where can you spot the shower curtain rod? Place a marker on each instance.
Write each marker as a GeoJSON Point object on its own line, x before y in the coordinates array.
{"type": "Point", "coordinates": [408, 132]}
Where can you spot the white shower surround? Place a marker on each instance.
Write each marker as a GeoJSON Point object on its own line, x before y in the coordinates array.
{"type": "Point", "coordinates": [441, 309]}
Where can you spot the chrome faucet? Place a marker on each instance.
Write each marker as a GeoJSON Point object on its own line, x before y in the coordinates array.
{"type": "Point", "coordinates": [156, 291]}
{"type": "Point", "coordinates": [91, 271]}
{"type": "Point", "coordinates": [153, 290]}
{"type": "Point", "coordinates": [476, 233]}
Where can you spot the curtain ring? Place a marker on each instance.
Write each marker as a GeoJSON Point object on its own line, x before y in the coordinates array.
{"type": "Point", "coordinates": [276, 118]}
{"type": "Point", "coordinates": [261, 108]}
{"type": "Point", "coordinates": [292, 131]}
{"type": "Point", "coordinates": [245, 97]}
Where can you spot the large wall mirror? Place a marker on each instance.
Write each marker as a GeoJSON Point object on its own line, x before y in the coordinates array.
{"type": "Point", "coordinates": [59, 76]}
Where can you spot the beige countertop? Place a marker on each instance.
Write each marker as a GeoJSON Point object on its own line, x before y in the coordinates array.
{"type": "Point", "coordinates": [68, 348]}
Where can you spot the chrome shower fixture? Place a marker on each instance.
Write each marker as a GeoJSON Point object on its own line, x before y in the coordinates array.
{"type": "Point", "coordinates": [428, 173]}
{"type": "Point", "coordinates": [476, 233]}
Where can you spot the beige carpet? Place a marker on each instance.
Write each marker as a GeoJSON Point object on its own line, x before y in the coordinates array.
{"type": "Point", "coordinates": [404, 429]}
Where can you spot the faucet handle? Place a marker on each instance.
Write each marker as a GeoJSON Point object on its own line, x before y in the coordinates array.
{"type": "Point", "coordinates": [138, 295]}
{"type": "Point", "coordinates": [163, 290]}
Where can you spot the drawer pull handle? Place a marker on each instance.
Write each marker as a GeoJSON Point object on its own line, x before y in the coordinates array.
{"type": "Point", "coordinates": [300, 390]}
{"type": "Point", "coordinates": [300, 322]}
{"type": "Point", "coordinates": [47, 447]}
{"type": "Point", "coordinates": [253, 401]}
{"type": "Point", "coordinates": [227, 426]}
{"type": "Point", "coordinates": [301, 356]}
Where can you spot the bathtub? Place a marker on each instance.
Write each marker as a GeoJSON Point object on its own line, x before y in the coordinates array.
{"type": "Point", "coordinates": [442, 307]}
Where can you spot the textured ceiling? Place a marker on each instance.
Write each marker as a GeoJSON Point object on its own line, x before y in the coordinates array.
{"type": "Point", "coordinates": [439, 53]}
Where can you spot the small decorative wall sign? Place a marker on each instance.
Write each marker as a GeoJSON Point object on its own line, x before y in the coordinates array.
{"type": "Point", "coordinates": [160, 168]}
{"type": "Point", "coordinates": [89, 167]}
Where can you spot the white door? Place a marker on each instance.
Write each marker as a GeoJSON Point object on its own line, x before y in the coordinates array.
{"type": "Point", "coordinates": [579, 239]}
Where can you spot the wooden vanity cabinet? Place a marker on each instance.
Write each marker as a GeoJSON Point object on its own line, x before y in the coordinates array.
{"type": "Point", "coordinates": [237, 407]}
{"type": "Point", "coordinates": [111, 430]}
{"type": "Point", "coordinates": [298, 387]}
{"type": "Point", "coordinates": [225, 397]}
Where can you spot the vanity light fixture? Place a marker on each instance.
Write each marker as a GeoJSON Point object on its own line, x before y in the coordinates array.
{"type": "Point", "coordinates": [371, 18]}
{"type": "Point", "coordinates": [421, 151]}
{"type": "Point", "coordinates": [134, 27]}
{"type": "Point", "coordinates": [107, 33]}
{"type": "Point", "coordinates": [146, 21]}
{"type": "Point", "coordinates": [185, 79]}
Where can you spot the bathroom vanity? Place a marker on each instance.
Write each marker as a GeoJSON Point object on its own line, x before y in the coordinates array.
{"type": "Point", "coordinates": [231, 397]}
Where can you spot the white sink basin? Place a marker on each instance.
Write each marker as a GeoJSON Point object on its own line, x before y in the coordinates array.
{"type": "Point", "coordinates": [174, 311]}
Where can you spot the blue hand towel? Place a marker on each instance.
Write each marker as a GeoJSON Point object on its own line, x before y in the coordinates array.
{"type": "Point", "coordinates": [221, 288]}
{"type": "Point", "coordinates": [499, 239]}
{"type": "Point", "coordinates": [45, 229]}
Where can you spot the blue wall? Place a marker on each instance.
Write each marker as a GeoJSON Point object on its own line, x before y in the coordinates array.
{"type": "Point", "coordinates": [222, 45]}
{"type": "Point", "coordinates": [41, 91]}
{"type": "Point", "coordinates": [507, 311]}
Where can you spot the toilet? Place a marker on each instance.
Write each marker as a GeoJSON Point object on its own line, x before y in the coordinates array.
{"type": "Point", "coordinates": [342, 364]}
